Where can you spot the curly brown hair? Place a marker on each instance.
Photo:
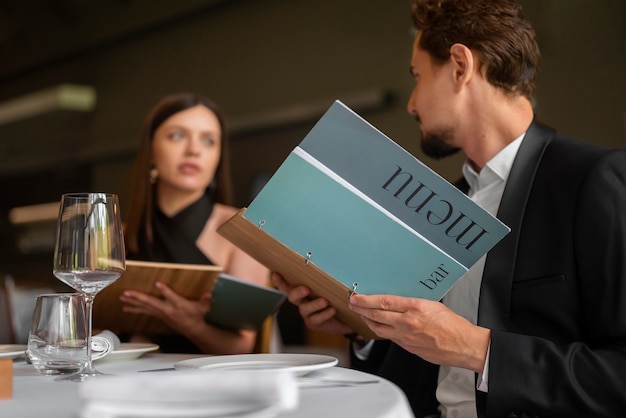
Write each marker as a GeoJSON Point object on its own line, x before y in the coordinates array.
{"type": "Point", "coordinates": [495, 29]}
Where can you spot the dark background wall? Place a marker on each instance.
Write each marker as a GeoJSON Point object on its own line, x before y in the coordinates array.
{"type": "Point", "coordinates": [272, 65]}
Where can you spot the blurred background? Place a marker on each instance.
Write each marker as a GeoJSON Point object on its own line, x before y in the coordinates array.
{"type": "Point", "coordinates": [78, 76]}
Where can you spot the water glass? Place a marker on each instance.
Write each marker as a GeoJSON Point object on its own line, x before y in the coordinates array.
{"type": "Point", "coordinates": [57, 341]}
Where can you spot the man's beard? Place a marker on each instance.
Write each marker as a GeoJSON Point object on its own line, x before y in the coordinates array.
{"type": "Point", "coordinates": [437, 145]}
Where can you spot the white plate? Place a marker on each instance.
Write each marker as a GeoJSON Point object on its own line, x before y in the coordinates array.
{"type": "Point", "coordinates": [298, 363]}
{"type": "Point", "coordinates": [219, 409]}
{"type": "Point", "coordinates": [129, 351]}
{"type": "Point", "coordinates": [12, 350]}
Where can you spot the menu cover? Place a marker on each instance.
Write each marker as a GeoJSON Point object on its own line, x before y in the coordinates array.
{"type": "Point", "coordinates": [349, 210]}
{"type": "Point", "coordinates": [239, 304]}
{"type": "Point", "coordinates": [236, 303]}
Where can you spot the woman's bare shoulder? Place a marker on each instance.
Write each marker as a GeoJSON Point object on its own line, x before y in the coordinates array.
{"type": "Point", "coordinates": [214, 245]}
{"type": "Point", "coordinates": [224, 212]}
{"type": "Point", "coordinates": [221, 213]}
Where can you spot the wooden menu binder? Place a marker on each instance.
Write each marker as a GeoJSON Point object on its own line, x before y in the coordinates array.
{"type": "Point", "coordinates": [188, 280]}
{"type": "Point", "coordinates": [294, 268]}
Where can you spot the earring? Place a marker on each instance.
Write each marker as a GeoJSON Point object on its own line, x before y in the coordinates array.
{"type": "Point", "coordinates": [154, 175]}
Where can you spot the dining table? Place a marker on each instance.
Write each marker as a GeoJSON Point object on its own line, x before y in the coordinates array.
{"type": "Point", "coordinates": [328, 392]}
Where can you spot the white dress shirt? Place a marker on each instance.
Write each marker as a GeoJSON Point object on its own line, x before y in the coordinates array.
{"type": "Point", "coordinates": [455, 389]}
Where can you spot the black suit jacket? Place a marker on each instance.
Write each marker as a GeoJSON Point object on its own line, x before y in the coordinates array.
{"type": "Point", "coordinates": [553, 290]}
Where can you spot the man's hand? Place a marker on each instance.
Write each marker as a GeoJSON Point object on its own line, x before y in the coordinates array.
{"type": "Point", "coordinates": [425, 328]}
{"type": "Point", "coordinates": [317, 313]}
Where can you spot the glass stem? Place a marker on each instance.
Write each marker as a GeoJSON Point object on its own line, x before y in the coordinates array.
{"type": "Point", "coordinates": [89, 305]}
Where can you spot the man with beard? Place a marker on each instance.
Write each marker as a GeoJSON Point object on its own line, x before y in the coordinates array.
{"type": "Point", "coordinates": [536, 328]}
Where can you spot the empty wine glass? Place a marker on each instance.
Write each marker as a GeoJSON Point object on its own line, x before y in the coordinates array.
{"type": "Point", "coordinates": [89, 252]}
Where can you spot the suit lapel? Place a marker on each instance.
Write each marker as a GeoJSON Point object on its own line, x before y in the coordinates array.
{"type": "Point", "coordinates": [495, 292]}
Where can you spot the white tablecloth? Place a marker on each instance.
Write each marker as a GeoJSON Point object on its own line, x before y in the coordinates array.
{"type": "Point", "coordinates": [41, 396]}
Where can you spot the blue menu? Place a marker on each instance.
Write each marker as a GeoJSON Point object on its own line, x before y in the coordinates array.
{"type": "Point", "coordinates": [358, 206]}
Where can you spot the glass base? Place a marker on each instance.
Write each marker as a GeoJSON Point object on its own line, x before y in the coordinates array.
{"type": "Point", "coordinates": [81, 376]}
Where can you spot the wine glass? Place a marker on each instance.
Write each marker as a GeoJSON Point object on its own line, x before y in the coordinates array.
{"type": "Point", "coordinates": [89, 252]}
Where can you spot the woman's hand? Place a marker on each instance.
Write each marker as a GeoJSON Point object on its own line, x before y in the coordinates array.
{"type": "Point", "coordinates": [176, 311]}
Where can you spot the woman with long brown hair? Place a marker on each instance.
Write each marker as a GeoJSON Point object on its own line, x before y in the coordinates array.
{"type": "Point", "coordinates": [180, 194]}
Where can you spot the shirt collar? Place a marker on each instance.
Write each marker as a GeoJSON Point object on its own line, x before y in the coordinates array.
{"type": "Point", "coordinates": [498, 168]}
